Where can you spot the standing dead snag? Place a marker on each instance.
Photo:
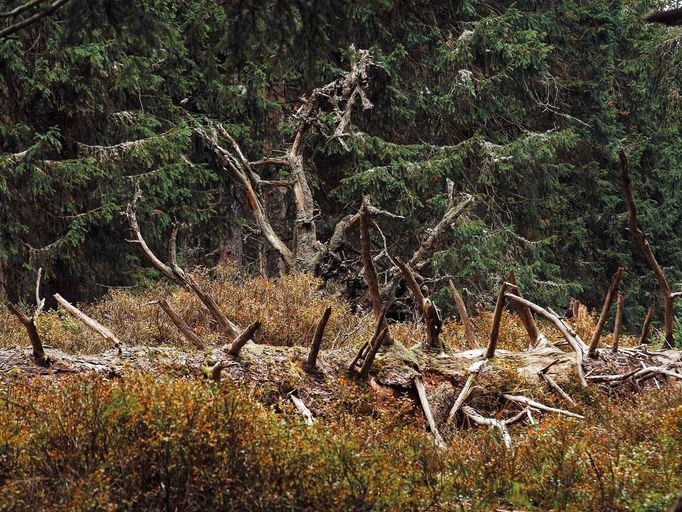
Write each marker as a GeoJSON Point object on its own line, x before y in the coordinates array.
{"type": "Point", "coordinates": [88, 321]}
{"type": "Point", "coordinates": [644, 337]}
{"type": "Point", "coordinates": [573, 339]}
{"type": "Point", "coordinates": [317, 338]}
{"type": "Point", "coordinates": [370, 271]}
{"type": "Point", "coordinates": [640, 238]}
{"type": "Point", "coordinates": [177, 274]}
{"type": "Point", "coordinates": [30, 324]}
{"type": "Point", "coordinates": [429, 309]}
{"type": "Point", "coordinates": [463, 315]}
{"type": "Point", "coordinates": [606, 309]}
{"type": "Point", "coordinates": [619, 319]}
{"type": "Point", "coordinates": [369, 349]}
{"type": "Point", "coordinates": [495, 328]}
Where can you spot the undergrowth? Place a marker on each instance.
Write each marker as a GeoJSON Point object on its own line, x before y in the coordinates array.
{"type": "Point", "coordinates": [149, 443]}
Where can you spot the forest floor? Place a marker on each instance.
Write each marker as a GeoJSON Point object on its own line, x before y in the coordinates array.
{"type": "Point", "coordinates": [145, 428]}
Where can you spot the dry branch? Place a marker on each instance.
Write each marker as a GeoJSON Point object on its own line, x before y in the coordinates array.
{"type": "Point", "coordinates": [606, 309]}
{"type": "Point", "coordinates": [35, 17]}
{"type": "Point", "coordinates": [542, 407]}
{"type": "Point", "coordinates": [423, 400]}
{"type": "Point", "coordinates": [176, 274]}
{"type": "Point", "coordinates": [552, 383]}
{"type": "Point", "coordinates": [29, 323]}
{"type": "Point", "coordinates": [463, 315]}
{"type": "Point", "coordinates": [241, 340]}
{"type": "Point", "coordinates": [491, 422]}
{"type": "Point", "coordinates": [643, 243]}
{"type": "Point", "coordinates": [568, 333]}
{"type": "Point", "coordinates": [474, 371]}
{"type": "Point", "coordinates": [89, 322]}
{"type": "Point", "coordinates": [301, 408]}
{"type": "Point", "coordinates": [317, 338]}
{"type": "Point", "coordinates": [372, 352]}
{"type": "Point", "coordinates": [182, 326]}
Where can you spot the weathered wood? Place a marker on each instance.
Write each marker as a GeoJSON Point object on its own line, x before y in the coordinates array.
{"type": "Point", "coordinates": [526, 315]}
{"type": "Point", "coordinates": [463, 315]}
{"type": "Point", "coordinates": [423, 400]}
{"type": "Point", "coordinates": [606, 309]}
{"type": "Point", "coordinates": [371, 353]}
{"type": "Point", "coordinates": [182, 326]}
{"type": "Point", "coordinates": [428, 308]}
{"type": "Point", "coordinates": [644, 337]}
{"type": "Point", "coordinates": [619, 319]}
{"type": "Point", "coordinates": [537, 405]}
{"type": "Point", "coordinates": [241, 340]}
{"type": "Point", "coordinates": [29, 324]}
{"type": "Point", "coordinates": [89, 322]}
{"type": "Point", "coordinates": [317, 338]}
{"type": "Point", "coordinates": [570, 336]}
{"type": "Point", "coordinates": [552, 383]}
{"type": "Point", "coordinates": [495, 328]}
{"type": "Point", "coordinates": [176, 274]}
{"type": "Point", "coordinates": [474, 371]}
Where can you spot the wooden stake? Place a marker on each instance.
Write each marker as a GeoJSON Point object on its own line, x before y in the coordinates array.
{"type": "Point", "coordinates": [606, 309]}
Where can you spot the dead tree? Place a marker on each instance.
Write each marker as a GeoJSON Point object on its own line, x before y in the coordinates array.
{"type": "Point", "coordinates": [370, 270]}
{"type": "Point", "coordinates": [317, 338]}
{"type": "Point", "coordinates": [606, 309]}
{"type": "Point", "coordinates": [526, 315]}
{"type": "Point", "coordinates": [88, 321]}
{"type": "Point", "coordinates": [428, 308]}
{"type": "Point", "coordinates": [463, 315]}
{"type": "Point", "coordinates": [174, 273]}
{"type": "Point", "coordinates": [619, 319]}
{"type": "Point", "coordinates": [336, 100]}
{"type": "Point", "coordinates": [424, 402]}
{"type": "Point", "coordinates": [368, 351]}
{"type": "Point", "coordinates": [643, 244]}
{"type": "Point", "coordinates": [29, 323]}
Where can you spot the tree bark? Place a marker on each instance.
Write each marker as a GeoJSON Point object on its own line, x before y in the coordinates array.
{"type": "Point", "coordinates": [317, 338]}
{"type": "Point", "coordinates": [525, 314]}
{"type": "Point", "coordinates": [88, 321]}
{"type": "Point", "coordinates": [182, 326]}
{"type": "Point", "coordinates": [495, 328]}
{"type": "Point", "coordinates": [644, 337]}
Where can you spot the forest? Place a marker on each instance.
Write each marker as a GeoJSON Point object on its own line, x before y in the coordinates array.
{"type": "Point", "coordinates": [342, 255]}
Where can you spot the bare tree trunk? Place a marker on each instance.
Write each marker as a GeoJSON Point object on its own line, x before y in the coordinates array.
{"type": "Point", "coordinates": [463, 315]}
{"type": "Point", "coordinates": [606, 309]}
{"type": "Point", "coordinates": [619, 319]}
{"type": "Point", "coordinates": [3, 280]}
{"type": "Point", "coordinates": [643, 243]}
